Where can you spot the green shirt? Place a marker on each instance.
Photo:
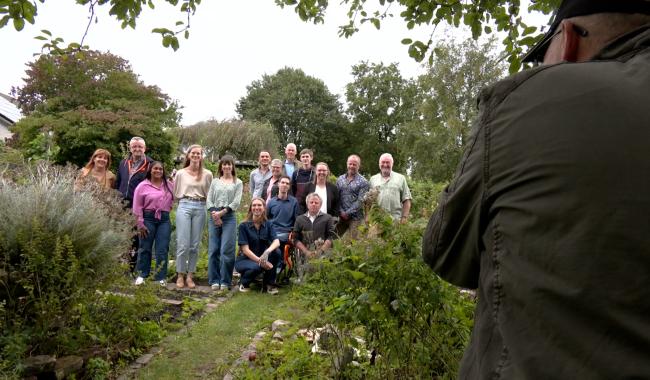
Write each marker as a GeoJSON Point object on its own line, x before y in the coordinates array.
{"type": "Point", "coordinates": [392, 192]}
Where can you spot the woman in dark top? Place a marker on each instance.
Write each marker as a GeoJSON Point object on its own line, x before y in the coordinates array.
{"type": "Point", "coordinates": [258, 251]}
{"type": "Point", "coordinates": [327, 191]}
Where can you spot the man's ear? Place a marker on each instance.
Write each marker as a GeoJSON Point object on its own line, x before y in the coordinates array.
{"type": "Point", "coordinates": [570, 42]}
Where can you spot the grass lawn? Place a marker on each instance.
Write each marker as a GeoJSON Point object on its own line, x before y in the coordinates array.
{"type": "Point", "coordinates": [209, 348]}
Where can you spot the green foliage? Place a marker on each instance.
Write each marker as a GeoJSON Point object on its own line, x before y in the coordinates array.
{"type": "Point", "coordinates": [59, 253]}
{"type": "Point", "coordinates": [379, 102]}
{"type": "Point", "coordinates": [291, 359]}
{"type": "Point", "coordinates": [125, 11]}
{"type": "Point", "coordinates": [507, 16]}
{"type": "Point", "coordinates": [447, 95]}
{"type": "Point", "coordinates": [424, 197]}
{"type": "Point", "coordinates": [242, 139]}
{"type": "Point", "coordinates": [79, 102]}
{"type": "Point", "coordinates": [301, 110]}
{"type": "Point", "coordinates": [98, 369]}
{"type": "Point", "coordinates": [379, 286]}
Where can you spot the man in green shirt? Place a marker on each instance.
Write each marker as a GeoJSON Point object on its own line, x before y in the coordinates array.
{"type": "Point", "coordinates": [394, 193]}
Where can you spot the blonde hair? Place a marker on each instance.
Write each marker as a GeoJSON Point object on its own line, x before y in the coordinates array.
{"type": "Point", "coordinates": [91, 163]}
{"type": "Point", "coordinates": [187, 159]}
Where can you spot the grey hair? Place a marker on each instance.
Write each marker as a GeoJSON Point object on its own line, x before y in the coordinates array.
{"type": "Point", "coordinates": [312, 195]}
{"type": "Point", "coordinates": [136, 138]}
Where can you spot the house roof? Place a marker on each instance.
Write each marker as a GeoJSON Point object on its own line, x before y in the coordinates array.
{"type": "Point", "coordinates": [8, 110]}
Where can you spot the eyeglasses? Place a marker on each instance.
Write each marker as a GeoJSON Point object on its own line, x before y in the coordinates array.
{"type": "Point", "coordinates": [543, 46]}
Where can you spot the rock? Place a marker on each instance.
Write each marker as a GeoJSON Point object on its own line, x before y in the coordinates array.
{"type": "Point", "coordinates": [279, 325]}
{"type": "Point", "coordinates": [309, 335]}
{"type": "Point", "coordinates": [259, 336]}
{"type": "Point", "coordinates": [155, 350]}
{"type": "Point", "coordinates": [38, 364]}
{"type": "Point", "coordinates": [67, 366]}
{"type": "Point", "coordinates": [135, 365]}
{"type": "Point", "coordinates": [171, 302]}
{"type": "Point", "coordinates": [228, 376]}
{"type": "Point", "coordinates": [277, 336]}
{"type": "Point", "coordinates": [144, 359]}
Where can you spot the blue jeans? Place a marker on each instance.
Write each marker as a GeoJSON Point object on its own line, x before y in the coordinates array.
{"type": "Point", "coordinates": [159, 234]}
{"type": "Point", "coordinates": [221, 249]}
{"type": "Point", "coordinates": [249, 269]}
{"type": "Point", "coordinates": [190, 220]}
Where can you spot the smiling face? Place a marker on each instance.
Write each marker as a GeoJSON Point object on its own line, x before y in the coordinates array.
{"type": "Point", "coordinates": [385, 165]}
{"type": "Point", "coordinates": [322, 172]}
{"type": "Point", "coordinates": [226, 167]}
{"type": "Point", "coordinates": [195, 155]}
{"type": "Point", "coordinates": [276, 170]}
{"type": "Point", "coordinates": [353, 166]}
{"type": "Point", "coordinates": [257, 208]}
{"type": "Point", "coordinates": [290, 152]}
{"type": "Point", "coordinates": [264, 159]}
{"type": "Point", "coordinates": [157, 171]}
{"type": "Point", "coordinates": [137, 149]}
{"type": "Point", "coordinates": [100, 161]}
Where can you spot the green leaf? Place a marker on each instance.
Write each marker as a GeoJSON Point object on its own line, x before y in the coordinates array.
{"type": "Point", "coordinates": [529, 30]}
{"type": "Point", "coordinates": [187, 34]}
{"type": "Point", "coordinates": [4, 20]}
{"type": "Point", "coordinates": [179, 23]}
{"type": "Point", "coordinates": [19, 24]}
{"type": "Point", "coordinates": [407, 41]}
{"type": "Point", "coordinates": [376, 22]}
{"type": "Point", "coordinates": [45, 31]}
{"type": "Point", "coordinates": [357, 275]}
{"type": "Point", "coordinates": [40, 38]}
{"type": "Point", "coordinates": [174, 43]}
{"type": "Point", "coordinates": [487, 29]}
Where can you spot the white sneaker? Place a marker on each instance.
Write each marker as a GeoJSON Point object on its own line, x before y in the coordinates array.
{"type": "Point", "coordinates": [163, 283]}
{"type": "Point", "coordinates": [272, 290]}
{"type": "Point", "coordinates": [216, 287]}
{"type": "Point", "coordinates": [243, 289]}
{"type": "Point", "coordinates": [139, 281]}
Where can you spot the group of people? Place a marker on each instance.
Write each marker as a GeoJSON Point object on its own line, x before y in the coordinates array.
{"type": "Point", "coordinates": [290, 197]}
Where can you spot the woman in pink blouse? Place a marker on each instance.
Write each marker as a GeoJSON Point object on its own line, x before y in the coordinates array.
{"type": "Point", "coordinates": [152, 202]}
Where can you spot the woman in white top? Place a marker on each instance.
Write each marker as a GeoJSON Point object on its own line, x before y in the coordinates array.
{"type": "Point", "coordinates": [224, 198]}
{"type": "Point", "coordinates": [191, 186]}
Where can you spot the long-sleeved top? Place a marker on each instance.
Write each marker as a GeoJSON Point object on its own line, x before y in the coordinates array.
{"type": "Point", "coordinates": [224, 195]}
{"type": "Point", "coordinates": [186, 185]}
{"type": "Point", "coordinates": [129, 176]}
{"type": "Point", "coordinates": [256, 182]}
{"type": "Point", "coordinates": [282, 213]}
{"type": "Point", "coordinates": [300, 179]}
{"type": "Point", "coordinates": [308, 232]}
{"type": "Point", "coordinates": [351, 195]}
{"type": "Point", "coordinates": [148, 196]}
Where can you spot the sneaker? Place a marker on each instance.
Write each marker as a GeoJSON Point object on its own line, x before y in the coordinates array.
{"type": "Point", "coordinates": [215, 287]}
{"type": "Point", "coordinates": [225, 287]}
{"type": "Point", "coordinates": [273, 290]}
{"type": "Point", "coordinates": [244, 289]}
{"type": "Point", "coordinates": [163, 283]}
{"type": "Point", "coordinates": [139, 281]}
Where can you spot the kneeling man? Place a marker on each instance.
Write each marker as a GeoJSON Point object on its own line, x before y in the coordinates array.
{"type": "Point", "coordinates": [314, 230]}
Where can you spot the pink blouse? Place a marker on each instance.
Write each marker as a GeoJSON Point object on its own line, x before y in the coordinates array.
{"type": "Point", "coordinates": [149, 197]}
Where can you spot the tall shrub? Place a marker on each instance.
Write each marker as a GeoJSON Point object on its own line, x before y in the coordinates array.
{"type": "Point", "coordinates": [57, 248]}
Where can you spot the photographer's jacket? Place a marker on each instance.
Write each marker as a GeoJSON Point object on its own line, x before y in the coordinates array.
{"type": "Point", "coordinates": [549, 216]}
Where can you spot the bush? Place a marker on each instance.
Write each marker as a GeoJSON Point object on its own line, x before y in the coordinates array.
{"type": "Point", "coordinates": [379, 287]}
{"type": "Point", "coordinates": [59, 253]}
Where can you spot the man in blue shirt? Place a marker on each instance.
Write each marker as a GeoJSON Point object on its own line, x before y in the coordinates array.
{"type": "Point", "coordinates": [282, 211]}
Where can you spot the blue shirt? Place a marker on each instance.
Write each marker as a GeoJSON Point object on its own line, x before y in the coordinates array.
{"type": "Point", "coordinates": [351, 195]}
{"type": "Point", "coordinates": [256, 240]}
{"type": "Point", "coordinates": [282, 213]}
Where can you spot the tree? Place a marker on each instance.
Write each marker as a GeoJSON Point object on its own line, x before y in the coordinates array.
{"type": "Point", "coordinates": [242, 139]}
{"type": "Point", "coordinates": [78, 102]}
{"type": "Point", "coordinates": [301, 110]}
{"type": "Point", "coordinates": [380, 101]}
{"type": "Point", "coordinates": [448, 93]}
{"type": "Point", "coordinates": [479, 16]}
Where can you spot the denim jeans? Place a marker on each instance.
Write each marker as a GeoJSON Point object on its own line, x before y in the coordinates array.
{"type": "Point", "coordinates": [249, 269]}
{"type": "Point", "coordinates": [190, 219]}
{"type": "Point", "coordinates": [221, 249]}
{"type": "Point", "coordinates": [158, 236]}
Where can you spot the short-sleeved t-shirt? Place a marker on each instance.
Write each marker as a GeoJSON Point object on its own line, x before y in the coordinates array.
{"type": "Point", "coordinates": [392, 193]}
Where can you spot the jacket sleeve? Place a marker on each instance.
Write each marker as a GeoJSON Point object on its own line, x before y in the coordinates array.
{"type": "Point", "coordinates": [451, 242]}
{"type": "Point", "coordinates": [334, 193]}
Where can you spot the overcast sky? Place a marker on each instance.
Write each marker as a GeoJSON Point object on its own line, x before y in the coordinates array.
{"type": "Point", "coordinates": [231, 44]}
